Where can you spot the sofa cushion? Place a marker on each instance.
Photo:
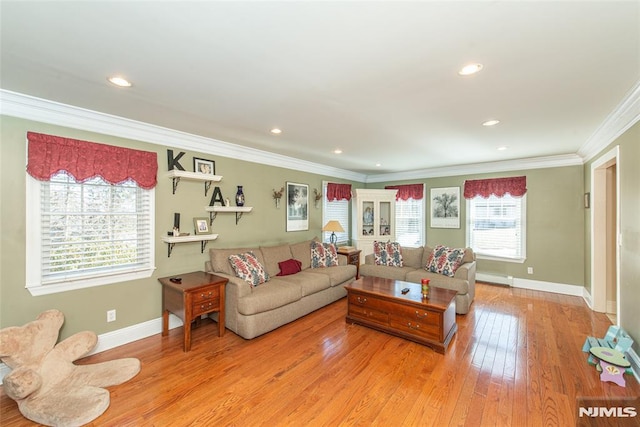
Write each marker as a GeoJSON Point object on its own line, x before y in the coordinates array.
{"type": "Point", "coordinates": [220, 259]}
{"type": "Point", "coordinates": [444, 260]}
{"type": "Point", "coordinates": [384, 271]}
{"type": "Point", "coordinates": [309, 282]}
{"type": "Point", "coordinates": [323, 255]}
{"type": "Point", "coordinates": [273, 255]}
{"type": "Point", "coordinates": [302, 252]}
{"type": "Point", "coordinates": [248, 268]}
{"type": "Point", "coordinates": [338, 274]}
{"type": "Point", "coordinates": [288, 267]}
{"type": "Point", "coordinates": [271, 295]}
{"type": "Point", "coordinates": [387, 253]}
{"type": "Point", "coordinates": [412, 257]}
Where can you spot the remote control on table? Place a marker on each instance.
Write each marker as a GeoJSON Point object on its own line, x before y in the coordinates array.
{"type": "Point", "coordinates": [405, 290]}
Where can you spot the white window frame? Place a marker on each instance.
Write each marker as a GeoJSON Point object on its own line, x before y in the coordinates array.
{"type": "Point", "coordinates": [421, 219]}
{"type": "Point", "coordinates": [343, 237]}
{"type": "Point", "coordinates": [523, 233]}
{"type": "Point", "coordinates": [34, 251]}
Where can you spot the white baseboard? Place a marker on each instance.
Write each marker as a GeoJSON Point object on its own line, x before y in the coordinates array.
{"type": "Point", "coordinates": [556, 288]}
{"type": "Point", "coordinates": [120, 337]}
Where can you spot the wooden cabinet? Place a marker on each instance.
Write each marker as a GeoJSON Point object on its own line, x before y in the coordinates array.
{"type": "Point", "coordinates": [374, 213]}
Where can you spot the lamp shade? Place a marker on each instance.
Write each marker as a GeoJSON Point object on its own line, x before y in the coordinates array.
{"type": "Point", "coordinates": [333, 226]}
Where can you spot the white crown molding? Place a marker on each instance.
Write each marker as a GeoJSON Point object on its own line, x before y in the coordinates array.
{"type": "Point", "coordinates": [478, 168]}
{"type": "Point", "coordinates": [45, 111]}
{"type": "Point", "coordinates": [625, 115]}
{"type": "Point", "coordinates": [31, 108]}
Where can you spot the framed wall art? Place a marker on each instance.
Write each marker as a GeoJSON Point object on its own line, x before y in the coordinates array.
{"type": "Point", "coordinates": [445, 207]}
{"type": "Point", "coordinates": [297, 206]}
{"type": "Point", "coordinates": [201, 225]}
{"type": "Point", "coordinates": [204, 166]}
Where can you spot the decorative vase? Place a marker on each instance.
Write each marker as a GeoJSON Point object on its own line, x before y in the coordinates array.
{"type": "Point", "coordinates": [239, 196]}
{"type": "Point", "coordinates": [425, 288]}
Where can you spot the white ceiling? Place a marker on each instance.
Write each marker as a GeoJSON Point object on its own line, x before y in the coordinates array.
{"type": "Point", "coordinates": [375, 79]}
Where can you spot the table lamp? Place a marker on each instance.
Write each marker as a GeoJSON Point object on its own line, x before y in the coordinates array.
{"type": "Point", "coordinates": [333, 226]}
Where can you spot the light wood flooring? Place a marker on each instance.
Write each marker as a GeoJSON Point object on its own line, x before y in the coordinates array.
{"type": "Point", "coordinates": [515, 361]}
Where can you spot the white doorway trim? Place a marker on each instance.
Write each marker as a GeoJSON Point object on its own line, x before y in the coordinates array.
{"type": "Point", "coordinates": [599, 230]}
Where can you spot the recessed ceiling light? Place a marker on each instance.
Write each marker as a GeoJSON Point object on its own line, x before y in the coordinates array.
{"type": "Point", "coordinates": [337, 151]}
{"type": "Point", "coordinates": [470, 69]}
{"type": "Point", "coordinates": [504, 147]}
{"type": "Point", "coordinates": [276, 131]}
{"type": "Point", "coordinates": [378, 165]}
{"type": "Point", "coordinates": [119, 81]}
{"type": "Point", "coordinates": [491, 123]}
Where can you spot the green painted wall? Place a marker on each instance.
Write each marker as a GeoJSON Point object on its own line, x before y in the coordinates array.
{"type": "Point", "coordinates": [629, 174]}
{"type": "Point", "coordinates": [139, 301]}
{"type": "Point", "coordinates": [555, 224]}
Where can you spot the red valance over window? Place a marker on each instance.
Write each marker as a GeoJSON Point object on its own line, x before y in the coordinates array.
{"type": "Point", "coordinates": [515, 186]}
{"type": "Point", "coordinates": [409, 191]}
{"type": "Point", "coordinates": [338, 191]}
{"type": "Point", "coordinates": [83, 160]}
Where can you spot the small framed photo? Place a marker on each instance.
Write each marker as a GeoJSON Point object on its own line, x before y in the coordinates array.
{"type": "Point", "coordinates": [204, 166]}
{"type": "Point", "coordinates": [201, 225]}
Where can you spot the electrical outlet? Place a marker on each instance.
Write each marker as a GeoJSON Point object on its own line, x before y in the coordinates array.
{"type": "Point", "coordinates": [530, 270]}
{"type": "Point", "coordinates": [111, 315]}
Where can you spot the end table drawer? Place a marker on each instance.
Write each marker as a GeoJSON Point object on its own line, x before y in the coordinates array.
{"type": "Point", "coordinates": [205, 306]}
{"type": "Point", "coordinates": [206, 294]}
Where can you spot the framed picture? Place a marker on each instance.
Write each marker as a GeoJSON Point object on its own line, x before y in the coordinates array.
{"type": "Point", "coordinates": [445, 207]}
{"type": "Point", "coordinates": [297, 206]}
{"type": "Point", "coordinates": [204, 166]}
{"type": "Point", "coordinates": [201, 225]}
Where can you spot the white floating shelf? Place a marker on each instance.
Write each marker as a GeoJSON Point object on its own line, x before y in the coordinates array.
{"type": "Point", "coordinates": [176, 175]}
{"type": "Point", "coordinates": [238, 210]}
{"type": "Point", "coordinates": [202, 238]}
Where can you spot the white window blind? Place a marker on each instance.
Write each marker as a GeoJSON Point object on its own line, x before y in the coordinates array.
{"type": "Point", "coordinates": [337, 210]}
{"type": "Point", "coordinates": [496, 227]}
{"type": "Point", "coordinates": [90, 230]}
{"type": "Point", "coordinates": [410, 222]}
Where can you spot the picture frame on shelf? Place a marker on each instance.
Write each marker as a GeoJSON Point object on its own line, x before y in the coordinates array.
{"type": "Point", "coordinates": [207, 167]}
{"type": "Point", "coordinates": [445, 207]}
{"type": "Point", "coordinates": [201, 225]}
{"type": "Point", "coordinates": [297, 206]}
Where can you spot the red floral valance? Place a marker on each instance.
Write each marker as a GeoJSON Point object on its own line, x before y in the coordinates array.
{"type": "Point", "coordinates": [83, 160]}
{"type": "Point", "coordinates": [338, 191]}
{"type": "Point", "coordinates": [409, 191]}
{"type": "Point", "coordinates": [515, 186]}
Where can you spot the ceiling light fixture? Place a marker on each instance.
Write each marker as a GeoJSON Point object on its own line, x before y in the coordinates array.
{"type": "Point", "coordinates": [119, 81]}
{"type": "Point", "coordinates": [504, 147]}
{"type": "Point", "coordinates": [276, 131]}
{"type": "Point", "coordinates": [378, 165]}
{"type": "Point", "coordinates": [491, 123]}
{"type": "Point", "coordinates": [467, 70]}
{"type": "Point", "coordinates": [337, 151]}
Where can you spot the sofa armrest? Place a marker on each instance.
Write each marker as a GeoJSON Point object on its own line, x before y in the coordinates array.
{"type": "Point", "coordinates": [467, 271]}
{"type": "Point", "coordinates": [369, 259]}
{"type": "Point", "coordinates": [343, 260]}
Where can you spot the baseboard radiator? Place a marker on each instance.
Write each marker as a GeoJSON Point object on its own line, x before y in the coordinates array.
{"type": "Point", "coordinates": [495, 279]}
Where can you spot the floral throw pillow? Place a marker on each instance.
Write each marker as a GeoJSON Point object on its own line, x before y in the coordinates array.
{"type": "Point", "coordinates": [323, 255]}
{"type": "Point", "coordinates": [248, 268]}
{"type": "Point", "coordinates": [388, 253]}
{"type": "Point", "coordinates": [444, 260]}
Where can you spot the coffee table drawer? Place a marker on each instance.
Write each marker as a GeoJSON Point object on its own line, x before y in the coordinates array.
{"type": "Point", "coordinates": [416, 315]}
{"type": "Point", "coordinates": [358, 300]}
{"type": "Point", "coordinates": [420, 329]}
{"type": "Point", "coordinates": [370, 314]}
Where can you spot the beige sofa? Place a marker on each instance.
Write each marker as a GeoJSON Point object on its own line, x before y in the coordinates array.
{"type": "Point", "coordinates": [413, 270]}
{"type": "Point", "coordinates": [250, 312]}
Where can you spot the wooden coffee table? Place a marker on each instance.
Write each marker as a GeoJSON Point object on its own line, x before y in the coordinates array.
{"type": "Point", "coordinates": [379, 304]}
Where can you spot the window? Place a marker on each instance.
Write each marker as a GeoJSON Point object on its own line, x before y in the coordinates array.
{"type": "Point", "coordinates": [86, 234]}
{"type": "Point", "coordinates": [496, 227]}
{"type": "Point", "coordinates": [410, 222]}
{"type": "Point", "coordinates": [337, 210]}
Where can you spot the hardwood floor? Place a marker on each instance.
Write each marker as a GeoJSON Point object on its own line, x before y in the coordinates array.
{"type": "Point", "coordinates": [515, 361]}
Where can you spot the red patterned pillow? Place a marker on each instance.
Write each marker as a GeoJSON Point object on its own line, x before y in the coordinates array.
{"type": "Point", "coordinates": [323, 255]}
{"type": "Point", "coordinates": [388, 253]}
{"type": "Point", "coordinates": [444, 260]}
{"type": "Point", "coordinates": [248, 268]}
{"type": "Point", "coordinates": [290, 266]}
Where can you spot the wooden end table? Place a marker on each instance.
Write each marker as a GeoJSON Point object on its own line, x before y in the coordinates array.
{"type": "Point", "coordinates": [195, 294]}
{"type": "Point", "coordinates": [380, 304]}
{"type": "Point", "coordinates": [353, 257]}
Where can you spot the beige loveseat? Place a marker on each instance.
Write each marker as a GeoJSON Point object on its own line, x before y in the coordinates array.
{"type": "Point", "coordinates": [413, 270]}
{"type": "Point", "coordinates": [252, 311]}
